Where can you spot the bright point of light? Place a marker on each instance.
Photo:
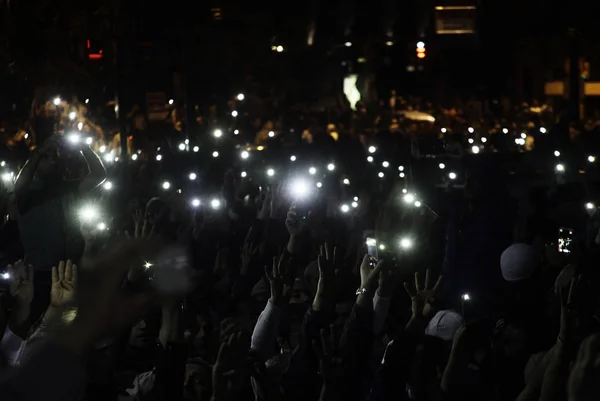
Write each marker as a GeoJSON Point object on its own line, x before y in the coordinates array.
{"type": "Point", "coordinates": [2, 163]}
{"type": "Point", "coordinates": [5, 276]}
{"type": "Point", "coordinates": [134, 157]}
{"type": "Point", "coordinates": [88, 213]}
{"type": "Point", "coordinates": [371, 242]}
{"type": "Point", "coordinates": [73, 138]}
{"type": "Point", "coordinates": [236, 132]}
{"type": "Point", "coordinates": [591, 159]}
{"type": "Point", "coordinates": [101, 226]}
{"type": "Point", "coordinates": [590, 206]}
{"type": "Point", "coordinates": [87, 101]}
{"type": "Point", "coordinates": [345, 208]}
{"type": "Point", "coordinates": [346, 181]}
{"type": "Point", "coordinates": [171, 101]}
{"type": "Point", "coordinates": [89, 140]}
{"type": "Point", "coordinates": [389, 43]}
{"type": "Point", "coordinates": [245, 154]}
{"type": "Point", "coordinates": [556, 153]}
{"type": "Point", "coordinates": [195, 202]}
{"type": "Point", "coordinates": [404, 190]}
{"type": "Point", "coordinates": [475, 149]}
{"type": "Point", "coordinates": [382, 247]}
{"type": "Point", "coordinates": [279, 49]}
{"type": "Point", "coordinates": [147, 265]}
{"type": "Point", "coordinates": [312, 171]}
{"type": "Point", "coordinates": [385, 164]}
{"type": "Point", "coordinates": [102, 149]}
{"type": "Point", "coordinates": [452, 176]}
{"type": "Point", "coordinates": [483, 139]}
{"type": "Point", "coordinates": [270, 172]}
{"type": "Point", "coordinates": [471, 130]}
{"type": "Point", "coordinates": [408, 198]}
{"type": "Point", "coordinates": [348, 44]}
{"type": "Point", "coordinates": [380, 174]}
{"type": "Point", "coordinates": [354, 204]}
{"type": "Point", "coordinates": [244, 174]}
{"type": "Point", "coordinates": [79, 126]}
{"type": "Point", "coordinates": [240, 97]}
{"type": "Point", "coordinates": [234, 113]}
{"type": "Point", "coordinates": [56, 101]}
{"type": "Point", "coordinates": [331, 167]}
{"type": "Point", "coordinates": [7, 177]}
{"type": "Point", "coordinates": [166, 185]}
{"type": "Point", "coordinates": [442, 166]}
{"type": "Point", "coordinates": [300, 188]}
{"type": "Point", "coordinates": [319, 185]}
{"type": "Point", "coordinates": [400, 168]}
{"type": "Point", "coordinates": [418, 204]}
{"type": "Point", "coordinates": [196, 149]}
{"type": "Point", "coordinates": [182, 146]}
{"type": "Point", "coordinates": [420, 45]}
{"type": "Point", "coordinates": [215, 154]}
{"type": "Point", "coordinates": [370, 159]}
{"type": "Point", "coordinates": [523, 135]}
{"type": "Point", "coordinates": [542, 130]}
{"type": "Point", "coordinates": [406, 243]}
{"type": "Point", "coordinates": [215, 204]}
{"type": "Point", "coordinates": [471, 140]}
{"type": "Point", "coordinates": [218, 133]}
{"type": "Point", "coordinates": [401, 175]}
{"type": "Point", "coordinates": [444, 130]}
{"type": "Point", "coordinates": [192, 176]}
{"type": "Point", "coordinates": [560, 168]}
{"type": "Point", "coordinates": [72, 115]}
{"type": "Point", "coordinates": [372, 149]}
{"type": "Point", "coordinates": [355, 199]}
{"type": "Point", "coordinates": [466, 297]}
{"type": "Point", "coordinates": [158, 158]}
{"type": "Point", "coordinates": [109, 158]}
{"type": "Point", "coordinates": [107, 185]}
{"type": "Point", "coordinates": [293, 158]}
{"type": "Point", "coordinates": [271, 134]}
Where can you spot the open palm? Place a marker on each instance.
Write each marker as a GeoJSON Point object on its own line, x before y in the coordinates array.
{"type": "Point", "coordinates": [64, 284]}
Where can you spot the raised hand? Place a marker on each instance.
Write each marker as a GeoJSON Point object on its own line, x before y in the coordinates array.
{"type": "Point", "coordinates": [142, 227]}
{"type": "Point", "coordinates": [330, 360]}
{"type": "Point", "coordinates": [327, 267]}
{"type": "Point", "coordinates": [583, 383]}
{"type": "Point", "coordinates": [276, 276]}
{"type": "Point", "coordinates": [64, 284]}
{"type": "Point", "coordinates": [21, 282]}
{"type": "Point", "coordinates": [230, 373]}
{"type": "Point", "coordinates": [422, 293]}
{"type": "Point", "coordinates": [249, 254]}
{"type": "Point", "coordinates": [369, 276]}
{"type": "Point", "coordinates": [277, 201]}
{"type": "Point", "coordinates": [295, 224]}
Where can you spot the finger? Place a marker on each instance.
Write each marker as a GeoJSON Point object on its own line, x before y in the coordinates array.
{"type": "Point", "coordinates": [417, 284]}
{"type": "Point", "coordinates": [427, 279]}
{"type": "Point", "coordinates": [328, 253]}
{"type": "Point", "coordinates": [324, 343]}
{"type": "Point", "coordinates": [321, 250]}
{"type": "Point", "coordinates": [437, 285]}
{"type": "Point", "coordinates": [275, 270]}
{"type": "Point", "coordinates": [74, 275]}
{"type": "Point", "coordinates": [571, 293]}
{"type": "Point", "coordinates": [127, 235]}
{"type": "Point", "coordinates": [366, 260]}
{"type": "Point", "coordinates": [68, 270]}
{"type": "Point", "coordinates": [67, 286]}
{"type": "Point", "coordinates": [144, 227]}
{"type": "Point", "coordinates": [408, 290]}
{"type": "Point", "coordinates": [54, 275]}
{"type": "Point", "coordinates": [61, 270]}
{"type": "Point", "coordinates": [268, 273]}
{"type": "Point", "coordinates": [10, 269]}
{"type": "Point", "coordinates": [335, 249]}
{"type": "Point", "coordinates": [321, 263]}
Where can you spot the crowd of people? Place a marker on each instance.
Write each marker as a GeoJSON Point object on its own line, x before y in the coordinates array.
{"type": "Point", "coordinates": [303, 256]}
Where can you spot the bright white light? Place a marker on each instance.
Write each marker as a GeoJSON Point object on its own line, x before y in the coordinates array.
{"type": "Point", "coordinates": [370, 159]}
{"type": "Point", "coordinates": [442, 166]}
{"type": "Point", "coordinates": [166, 185]}
{"type": "Point", "coordinates": [406, 243]}
{"type": "Point", "coordinates": [371, 242]}
{"type": "Point", "coordinates": [591, 159]}
{"type": "Point", "coordinates": [196, 149]}
{"type": "Point", "coordinates": [107, 185]}
{"type": "Point", "coordinates": [195, 202]}
{"type": "Point", "coordinates": [56, 101]}
{"type": "Point", "coordinates": [300, 188]}
{"type": "Point", "coordinates": [408, 198]}
{"type": "Point", "coordinates": [346, 181]}
{"type": "Point", "coordinates": [234, 113]}
{"type": "Point", "coordinates": [382, 247]}
{"type": "Point", "coordinates": [245, 154]}
{"type": "Point", "coordinates": [348, 44]}
{"type": "Point", "coordinates": [452, 176]}
{"type": "Point", "coordinates": [471, 140]}
{"type": "Point", "coordinates": [236, 132]}
{"type": "Point", "coordinates": [354, 204]}
{"type": "Point", "coordinates": [331, 167]}
{"type": "Point", "coordinates": [182, 146]}
{"type": "Point", "coordinates": [418, 204]}
{"type": "Point", "coordinates": [271, 134]}
{"type": "Point", "coordinates": [345, 208]}
{"type": "Point", "coordinates": [171, 101]}
{"type": "Point", "coordinates": [218, 133]}
{"type": "Point", "coordinates": [215, 154]}
{"type": "Point", "coordinates": [404, 190]}
{"type": "Point", "coordinates": [590, 206]}
{"type": "Point", "coordinates": [505, 130]}
{"type": "Point", "coordinates": [542, 130]}
{"type": "Point", "coordinates": [471, 130]}
{"type": "Point", "coordinates": [73, 138]}
{"type": "Point", "coordinates": [523, 135]}
{"type": "Point", "coordinates": [466, 297]}
{"type": "Point", "coordinates": [312, 171]}
{"type": "Point", "coordinates": [148, 265]}
{"type": "Point", "coordinates": [101, 226]}
{"type": "Point", "coordinates": [400, 168]}
{"type": "Point", "coordinates": [401, 175]}
{"type": "Point", "coordinates": [244, 174]}
{"type": "Point", "coordinates": [355, 199]}
{"type": "Point", "coordinates": [483, 139]}
{"type": "Point", "coordinates": [319, 185]}
{"type": "Point", "coordinates": [192, 176]}
{"type": "Point", "coordinates": [279, 49]}
{"type": "Point", "coordinates": [89, 140]}
{"type": "Point", "coordinates": [270, 172]}
{"type": "Point", "coordinates": [385, 164]}
{"type": "Point", "coordinates": [158, 158]}
{"type": "Point", "coordinates": [79, 126]}
{"type": "Point", "coordinates": [240, 97]}
{"type": "Point", "coordinates": [380, 174]}
{"type": "Point", "coordinates": [475, 149]}
{"type": "Point", "coordinates": [215, 204]}
{"type": "Point", "coordinates": [372, 149]}
{"type": "Point", "coordinates": [72, 115]}
{"type": "Point", "coordinates": [444, 130]}
{"type": "Point", "coordinates": [102, 149]}
{"type": "Point", "coordinates": [87, 101]}
{"type": "Point", "coordinates": [556, 153]}
{"type": "Point", "coordinates": [88, 213]}
{"type": "Point", "coordinates": [7, 177]}
{"type": "Point", "coordinates": [293, 158]}
{"type": "Point", "coordinates": [420, 45]}
{"type": "Point", "coordinates": [560, 168]}
{"type": "Point", "coordinates": [109, 158]}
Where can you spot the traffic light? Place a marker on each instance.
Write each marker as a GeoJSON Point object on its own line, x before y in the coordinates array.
{"type": "Point", "coordinates": [421, 50]}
